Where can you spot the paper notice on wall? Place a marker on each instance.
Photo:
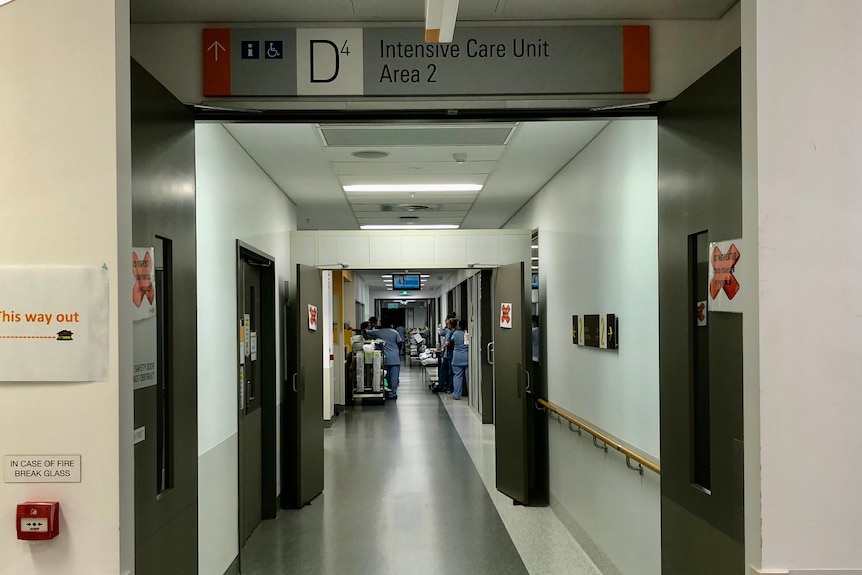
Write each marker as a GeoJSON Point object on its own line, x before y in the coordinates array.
{"type": "Point", "coordinates": [726, 281]}
{"type": "Point", "coordinates": [53, 324]}
{"type": "Point", "coordinates": [144, 283]}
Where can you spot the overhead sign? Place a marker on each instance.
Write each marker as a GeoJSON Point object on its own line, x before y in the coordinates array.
{"type": "Point", "coordinates": [289, 62]}
{"type": "Point", "coordinates": [53, 324]}
{"type": "Point", "coordinates": [724, 282]}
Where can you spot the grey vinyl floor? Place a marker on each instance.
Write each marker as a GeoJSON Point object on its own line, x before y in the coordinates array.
{"type": "Point", "coordinates": [401, 496]}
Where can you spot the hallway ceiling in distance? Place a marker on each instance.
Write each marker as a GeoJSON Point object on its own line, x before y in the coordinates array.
{"type": "Point", "coordinates": [212, 11]}
{"type": "Point", "coordinates": [512, 161]}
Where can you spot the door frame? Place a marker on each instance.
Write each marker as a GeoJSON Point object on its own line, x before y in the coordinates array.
{"type": "Point", "coordinates": [267, 355]}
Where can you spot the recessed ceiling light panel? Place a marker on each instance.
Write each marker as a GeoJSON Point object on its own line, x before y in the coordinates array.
{"type": "Point", "coordinates": [411, 227]}
{"type": "Point", "coordinates": [413, 188]}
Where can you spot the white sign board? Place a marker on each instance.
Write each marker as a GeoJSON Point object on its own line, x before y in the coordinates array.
{"type": "Point", "coordinates": [726, 279]}
{"type": "Point", "coordinates": [42, 468]}
{"type": "Point", "coordinates": [53, 324]}
{"type": "Point", "coordinates": [506, 312]}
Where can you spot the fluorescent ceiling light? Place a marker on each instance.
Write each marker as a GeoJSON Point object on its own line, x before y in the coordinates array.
{"type": "Point", "coordinates": [411, 227]}
{"type": "Point", "coordinates": [386, 276]}
{"type": "Point", "coordinates": [535, 247]}
{"type": "Point", "coordinates": [412, 188]}
{"type": "Point", "coordinates": [425, 275]}
{"type": "Point", "coordinates": [535, 259]}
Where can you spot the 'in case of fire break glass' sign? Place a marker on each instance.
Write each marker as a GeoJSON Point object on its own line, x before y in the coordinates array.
{"type": "Point", "coordinates": [597, 330]}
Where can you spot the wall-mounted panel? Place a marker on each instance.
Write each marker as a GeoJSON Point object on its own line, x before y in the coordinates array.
{"type": "Point", "coordinates": [303, 250]}
{"type": "Point", "coordinates": [419, 249]}
{"type": "Point", "coordinates": [327, 251]}
{"type": "Point", "coordinates": [448, 249]}
{"type": "Point", "coordinates": [356, 250]}
{"type": "Point", "coordinates": [483, 250]}
{"type": "Point", "coordinates": [386, 251]}
{"type": "Point", "coordinates": [432, 249]}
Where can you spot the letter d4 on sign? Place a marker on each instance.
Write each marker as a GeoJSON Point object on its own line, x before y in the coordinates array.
{"type": "Point", "coordinates": [329, 61]}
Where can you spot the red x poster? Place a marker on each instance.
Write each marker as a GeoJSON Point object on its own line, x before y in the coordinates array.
{"type": "Point", "coordinates": [726, 281]}
{"type": "Point", "coordinates": [312, 317]}
{"type": "Point", "coordinates": [506, 315]}
{"type": "Point", "coordinates": [144, 288]}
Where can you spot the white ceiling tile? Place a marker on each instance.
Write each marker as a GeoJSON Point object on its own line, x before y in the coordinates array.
{"type": "Point", "coordinates": [421, 154]}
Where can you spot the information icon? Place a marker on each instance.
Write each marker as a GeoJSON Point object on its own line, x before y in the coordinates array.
{"type": "Point", "coordinates": [250, 50]}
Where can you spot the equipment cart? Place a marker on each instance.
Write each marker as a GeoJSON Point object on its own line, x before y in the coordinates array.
{"type": "Point", "coordinates": [368, 369]}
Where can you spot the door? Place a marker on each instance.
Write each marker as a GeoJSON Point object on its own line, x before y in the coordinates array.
{"type": "Point", "coordinates": [700, 351]}
{"type": "Point", "coordinates": [250, 415]}
{"type": "Point", "coordinates": [303, 422]}
{"type": "Point", "coordinates": [511, 381]}
{"type": "Point", "coordinates": [165, 345]}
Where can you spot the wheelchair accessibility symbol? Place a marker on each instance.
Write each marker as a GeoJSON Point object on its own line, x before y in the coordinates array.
{"type": "Point", "coordinates": [274, 50]}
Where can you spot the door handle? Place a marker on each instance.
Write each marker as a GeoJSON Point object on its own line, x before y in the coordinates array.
{"type": "Point", "coordinates": [529, 387]}
{"type": "Point", "coordinates": [490, 351]}
{"type": "Point", "coordinates": [248, 393]}
{"type": "Point", "coordinates": [294, 382]}
{"type": "Point", "coordinates": [518, 381]}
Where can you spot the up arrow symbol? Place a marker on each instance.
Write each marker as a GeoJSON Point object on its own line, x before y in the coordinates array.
{"type": "Point", "coordinates": [215, 46]}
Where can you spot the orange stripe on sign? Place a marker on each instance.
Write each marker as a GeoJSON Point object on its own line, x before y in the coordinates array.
{"type": "Point", "coordinates": [216, 61]}
{"type": "Point", "coordinates": [432, 34]}
{"type": "Point", "coordinates": [636, 60]}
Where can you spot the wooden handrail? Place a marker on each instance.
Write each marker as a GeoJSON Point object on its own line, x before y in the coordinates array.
{"type": "Point", "coordinates": [651, 465]}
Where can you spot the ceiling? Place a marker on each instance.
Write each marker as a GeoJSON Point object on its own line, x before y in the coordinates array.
{"type": "Point", "coordinates": [413, 10]}
{"type": "Point", "coordinates": [512, 161]}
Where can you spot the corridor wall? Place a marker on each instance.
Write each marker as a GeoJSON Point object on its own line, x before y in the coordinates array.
{"type": "Point", "coordinates": [235, 200]}
{"type": "Point", "coordinates": [598, 233]}
{"type": "Point", "coordinates": [65, 191]}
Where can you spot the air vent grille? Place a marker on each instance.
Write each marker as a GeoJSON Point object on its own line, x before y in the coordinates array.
{"type": "Point", "coordinates": [408, 208]}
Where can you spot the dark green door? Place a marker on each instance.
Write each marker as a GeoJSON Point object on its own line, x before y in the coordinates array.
{"type": "Point", "coordinates": [165, 346]}
{"type": "Point", "coordinates": [700, 352]}
{"type": "Point", "coordinates": [250, 420]}
{"type": "Point", "coordinates": [304, 418]}
{"type": "Point", "coordinates": [511, 381]}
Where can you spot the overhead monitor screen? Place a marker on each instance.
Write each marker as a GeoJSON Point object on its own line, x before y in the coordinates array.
{"type": "Point", "coordinates": [405, 281]}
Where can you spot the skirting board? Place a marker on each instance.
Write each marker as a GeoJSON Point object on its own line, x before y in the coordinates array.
{"type": "Point", "coordinates": [234, 567]}
{"type": "Point", "coordinates": [755, 571]}
{"type": "Point", "coordinates": [602, 561]}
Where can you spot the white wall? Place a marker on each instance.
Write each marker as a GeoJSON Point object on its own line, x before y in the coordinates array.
{"type": "Point", "coordinates": [802, 169]}
{"type": "Point", "coordinates": [682, 51]}
{"type": "Point", "coordinates": [235, 200]}
{"type": "Point", "coordinates": [598, 234]}
{"type": "Point", "coordinates": [405, 249]}
{"type": "Point", "coordinates": [65, 183]}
